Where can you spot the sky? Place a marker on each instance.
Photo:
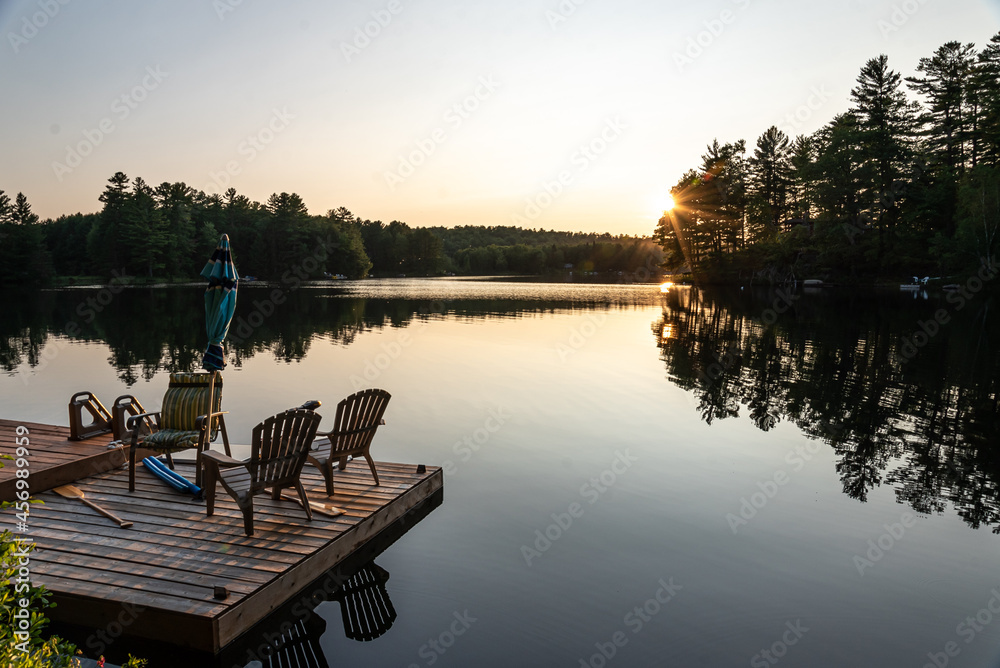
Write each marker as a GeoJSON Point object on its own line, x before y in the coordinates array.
{"type": "Point", "coordinates": [557, 114]}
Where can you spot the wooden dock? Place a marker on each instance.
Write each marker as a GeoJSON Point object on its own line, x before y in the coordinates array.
{"type": "Point", "coordinates": [160, 578]}
{"type": "Point", "coordinates": [54, 459]}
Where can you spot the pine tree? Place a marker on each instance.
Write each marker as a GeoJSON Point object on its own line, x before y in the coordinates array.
{"type": "Point", "coordinates": [945, 87]}
{"type": "Point", "coordinates": [25, 259]}
{"type": "Point", "coordinates": [720, 194]}
{"type": "Point", "coordinates": [6, 240]}
{"type": "Point", "coordinates": [886, 124]}
{"type": "Point", "coordinates": [104, 244]}
{"type": "Point", "coordinates": [838, 171]}
{"type": "Point", "coordinates": [768, 181]}
{"type": "Point", "coordinates": [179, 232]}
{"type": "Point", "coordinates": [348, 257]}
{"type": "Point", "coordinates": [986, 83]}
{"type": "Point", "coordinates": [802, 189]}
{"type": "Point", "coordinates": [143, 232]}
{"type": "Point", "coordinates": [285, 242]}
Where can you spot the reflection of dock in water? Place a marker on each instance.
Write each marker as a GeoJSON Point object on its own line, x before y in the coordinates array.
{"type": "Point", "coordinates": [358, 584]}
{"type": "Point", "coordinates": [297, 648]}
{"type": "Point", "coordinates": [365, 604]}
{"type": "Point", "coordinates": [365, 608]}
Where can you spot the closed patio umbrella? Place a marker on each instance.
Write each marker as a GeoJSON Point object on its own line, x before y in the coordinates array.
{"type": "Point", "coordinates": [220, 303]}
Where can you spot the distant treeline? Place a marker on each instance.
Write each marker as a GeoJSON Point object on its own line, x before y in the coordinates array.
{"type": "Point", "coordinates": [478, 250]}
{"type": "Point", "coordinates": [169, 231]}
{"type": "Point", "coordinates": [891, 188]}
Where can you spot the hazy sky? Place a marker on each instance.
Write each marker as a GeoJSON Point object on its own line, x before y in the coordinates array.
{"type": "Point", "coordinates": [572, 115]}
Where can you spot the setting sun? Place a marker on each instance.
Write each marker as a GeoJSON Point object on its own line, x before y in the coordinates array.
{"type": "Point", "coordinates": [668, 203]}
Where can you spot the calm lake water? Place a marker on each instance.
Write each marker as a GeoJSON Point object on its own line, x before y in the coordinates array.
{"type": "Point", "coordinates": [634, 477]}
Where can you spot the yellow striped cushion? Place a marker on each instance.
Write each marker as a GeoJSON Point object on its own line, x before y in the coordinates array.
{"type": "Point", "coordinates": [186, 399]}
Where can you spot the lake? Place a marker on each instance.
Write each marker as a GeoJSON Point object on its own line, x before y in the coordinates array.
{"type": "Point", "coordinates": [635, 475]}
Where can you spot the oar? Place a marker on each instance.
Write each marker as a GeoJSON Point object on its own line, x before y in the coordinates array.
{"type": "Point", "coordinates": [327, 509]}
{"type": "Point", "coordinates": [71, 492]}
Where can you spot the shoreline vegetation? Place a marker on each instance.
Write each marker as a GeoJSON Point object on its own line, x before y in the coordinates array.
{"type": "Point", "coordinates": [892, 189]}
{"type": "Point", "coordinates": [164, 234]}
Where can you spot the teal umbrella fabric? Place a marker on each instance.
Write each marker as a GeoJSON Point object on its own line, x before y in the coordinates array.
{"type": "Point", "coordinates": [220, 303]}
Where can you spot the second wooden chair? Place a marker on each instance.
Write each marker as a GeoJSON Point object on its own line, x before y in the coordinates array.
{"type": "Point", "coordinates": [280, 446]}
{"type": "Point", "coordinates": [358, 416]}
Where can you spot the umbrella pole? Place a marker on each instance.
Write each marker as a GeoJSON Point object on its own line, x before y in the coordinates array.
{"type": "Point", "coordinates": [208, 428]}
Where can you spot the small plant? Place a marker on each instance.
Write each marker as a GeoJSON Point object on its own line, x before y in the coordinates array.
{"type": "Point", "coordinates": [26, 648]}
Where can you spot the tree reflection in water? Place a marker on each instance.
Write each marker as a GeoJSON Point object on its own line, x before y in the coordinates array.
{"type": "Point", "coordinates": [832, 364]}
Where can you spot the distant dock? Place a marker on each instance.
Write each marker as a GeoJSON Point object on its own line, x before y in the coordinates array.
{"type": "Point", "coordinates": [184, 578]}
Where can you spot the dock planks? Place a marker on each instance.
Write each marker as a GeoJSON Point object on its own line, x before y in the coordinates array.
{"type": "Point", "coordinates": [54, 460]}
{"type": "Point", "coordinates": [159, 577]}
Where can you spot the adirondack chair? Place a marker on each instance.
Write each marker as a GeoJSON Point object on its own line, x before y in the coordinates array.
{"type": "Point", "coordinates": [190, 417]}
{"type": "Point", "coordinates": [365, 605]}
{"type": "Point", "coordinates": [299, 646]}
{"type": "Point", "coordinates": [278, 453]}
{"type": "Point", "coordinates": [358, 416]}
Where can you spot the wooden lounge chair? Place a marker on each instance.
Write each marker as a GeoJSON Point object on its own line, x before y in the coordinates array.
{"type": "Point", "coordinates": [190, 417]}
{"type": "Point", "coordinates": [280, 446]}
{"type": "Point", "coordinates": [358, 416]}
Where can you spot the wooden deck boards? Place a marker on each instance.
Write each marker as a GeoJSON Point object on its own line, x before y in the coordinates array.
{"type": "Point", "coordinates": [54, 459]}
{"type": "Point", "coordinates": [170, 561]}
